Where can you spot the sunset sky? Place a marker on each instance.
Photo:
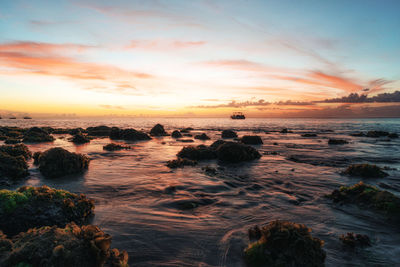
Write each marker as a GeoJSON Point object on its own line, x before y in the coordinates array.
{"type": "Point", "coordinates": [198, 58]}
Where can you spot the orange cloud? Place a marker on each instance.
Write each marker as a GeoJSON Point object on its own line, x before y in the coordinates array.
{"type": "Point", "coordinates": [163, 44]}
{"type": "Point", "coordinates": [40, 58]}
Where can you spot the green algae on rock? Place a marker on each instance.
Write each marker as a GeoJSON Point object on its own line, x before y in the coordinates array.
{"type": "Point", "coordinates": [29, 207]}
{"type": "Point", "coordinates": [13, 162]}
{"type": "Point", "coordinates": [58, 162]}
{"type": "Point", "coordinates": [72, 246]}
{"type": "Point", "coordinates": [369, 197]}
{"type": "Point", "coordinates": [365, 170]}
{"type": "Point", "coordinates": [284, 243]}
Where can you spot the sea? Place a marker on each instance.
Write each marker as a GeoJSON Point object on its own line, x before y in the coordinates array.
{"type": "Point", "coordinates": [139, 199]}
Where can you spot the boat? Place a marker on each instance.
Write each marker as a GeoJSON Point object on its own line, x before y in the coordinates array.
{"type": "Point", "coordinates": [27, 118]}
{"type": "Point", "coordinates": [238, 116]}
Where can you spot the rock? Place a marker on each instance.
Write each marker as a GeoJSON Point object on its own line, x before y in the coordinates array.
{"type": "Point", "coordinates": [180, 163]}
{"type": "Point", "coordinates": [186, 140]}
{"type": "Point", "coordinates": [202, 136]}
{"type": "Point", "coordinates": [285, 130]}
{"type": "Point", "coordinates": [158, 130]}
{"type": "Point", "coordinates": [61, 131]}
{"type": "Point", "coordinates": [80, 139]}
{"type": "Point", "coordinates": [337, 141]}
{"type": "Point", "coordinates": [58, 162]}
{"type": "Point", "coordinates": [37, 135]}
{"type": "Point", "coordinates": [78, 246]}
{"type": "Point", "coordinates": [13, 132]}
{"type": "Point", "coordinates": [186, 130]}
{"type": "Point", "coordinates": [355, 240]}
{"type": "Point", "coordinates": [284, 243]}
{"type": "Point", "coordinates": [128, 135]}
{"type": "Point", "coordinates": [176, 134]}
{"type": "Point", "coordinates": [200, 152]}
{"type": "Point", "coordinates": [209, 170]}
{"type": "Point", "coordinates": [16, 150]}
{"type": "Point", "coordinates": [228, 134]}
{"type": "Point", "coordinates": [376, 134]}
{"type": "Point", "coordinates": [11, 140]}
{"type": "Point", "coordinates": [187, 134]}
{"type": "Point", "coordinates": [251, 140]}
{"type": "Point", "coordinates": [13, 161]}
{"type": "Point", "coordinates": [359, 134]}
{"type": "Point", "coordinates": [114, 147]}
{"type": "Point", "coordinates": [99, 131]}
{"type": "Point", "coordinates": [235, 152]}
{"type": "Point", "coordinates": [309, 135]}
{"type": "Point", "coordinates": [393, 135]}
{"type": "Point", "coordinates": [368, 197]}
{"type": "Point", "coordinates": [29, 207]}
{"type": "Point", "coordinates": [365, 170]}
{"type": "Point", "coordinates": [36, 158]}
{"type": "Point", "coordinates": [225, 151]}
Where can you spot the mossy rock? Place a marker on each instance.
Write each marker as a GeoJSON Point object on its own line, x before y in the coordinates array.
{"type": "Point", "coordinates": [180, 163]}
{"type": "Point", "coordinates": [29, 207]}
{"type": "Point", "coordinates": [176, 134]}
{"type": "Point", "coordinates": [202, 136]}
{"type": "Point", "coordinates": [80, 139]}
{"type": "Point", "coordinates": [228, 134]}
{"type": "Point", "coordinates": [251, 140]}
{"type": "Point", "coordinates": [11, 141]}
{"type": "Point", "coordinates": [365, 170]}
{"type": "Point", "coordinates": [200, 152]}
{"type": "Point", "coordinates": [13, 161]}
{"type": "Point", "coordinates": [58, 162]}
{"type": "Point", "coordinates": [355, 240]}
{"type": "Point", "coordinates": [16, 150]}
{"type": "Point", "coordinates": [128, 134]}
{"type": "Point", "coordinates": [284, 243]}
{"type": "Point", "coordinates": [115, 147]}
{"type": "Point", "coordinates": [368, 197]}
{"type": "Point", "coordinates": [71, 246]}
{"type": "Point", "coordinates": [99, 131]}
{"type": "Point", "coordinates": [37, 135]}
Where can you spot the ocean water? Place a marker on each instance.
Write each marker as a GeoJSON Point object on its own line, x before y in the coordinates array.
{"type": "Point", "coordinates": [138, 198]}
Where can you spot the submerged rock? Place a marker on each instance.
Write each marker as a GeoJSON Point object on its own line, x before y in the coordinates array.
{"type": "Point", "coordinates": [180, 163]}
{"type": "Point", "coordinates": [58, 162]}
{"type": "Point", "coordinates": [228, 134]}
{"type": "Point", "coordinates": [355, 240]}
{"type": "Point", "coordinates": [309, 135]}
{"type": "Point", "coordinates": [29, 207]}
{"type": "Point", "coordinates": [37, 135]}
{"type": "Point", "coordinates": [365, 170]}
{"type": "Point", "coordinates": [333, 141]}
{"type": "Point", "coordinates": [186, 130]}
{"type": "Point", "coordinates": [285, 130]}
{"type": "Point", "coordinates": [368, 197]}
{"type": "Point", "coordinates": [176, 134]}
{"type": "Point", "coordinates": [202, 136]}
{"type": "Point", "coordinates": [80, 139]}
{"type": "Point", "coordinates": [158, 130]}
{"type": "Point", "coordinates": [78, 246]}
{"type": "Point", "coordinates": [376, 134]}
{"type": "Point", "coordinates": [114, 147]}
{"type": "Point", "coordinates": [251, 140]}
{"type": "Point", "coordinates": [284, 243]}
{"type": "Point", "coordinates": [128, 135]}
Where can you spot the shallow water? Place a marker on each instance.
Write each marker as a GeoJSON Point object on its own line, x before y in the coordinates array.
{"type": "Point", "coordinates": [139, 200]}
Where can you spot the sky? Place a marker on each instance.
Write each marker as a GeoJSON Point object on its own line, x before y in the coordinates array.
{"type": "Point", "coordinates": [199, 58]}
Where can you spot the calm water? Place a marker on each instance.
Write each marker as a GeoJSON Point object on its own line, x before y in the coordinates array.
{"type": "Point", "coordinates": [137, 196]}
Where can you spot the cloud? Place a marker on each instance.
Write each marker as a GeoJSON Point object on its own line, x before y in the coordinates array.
{"type": "Point", "coordinates": [45, 59]}
{"type": "Point", "coordinates": [163, 44]}
{"type": "Point", "coordinates": [294, 103]}
{"type": "Point", "coordinates": [112, 107]}
{"type": "Point", "coordinates": [234, 104]}
{"type": "Point", "coordinates": [363, 98]}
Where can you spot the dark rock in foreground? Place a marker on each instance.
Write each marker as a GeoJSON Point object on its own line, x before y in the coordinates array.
{"type": "Point", "coordinates": [365, 170]}
{"type": "Point", "coordinates": [337, 141]}
{"type": "Point", "coordinates": [78, 246]}
{"type": "Point", "coordinates": [16, 150]}
{"type": "Point", "coordinates": [251, 140]}
{"type": "Point", "coordinates": [115, 147]}
{"type": "Point", "coordinates": [176, 134]}
{"type": "Point", "coordinates": [355, 240]}
{"type": "Point", "coordinates": [180, 163]}
{"type": "Point", "coordinates": [228, 134]}
{"type": "Point", "coordinates": [58, 162]}
{"type": "Point", "coordinates": [285, 244]}
{"type": "Point", "coordinates": [128, 135]}
{"type": "Point", "coordinates": [30, 207]}
{"type": "Point", "coordinates": [368, 197]}
{"type": "Point", "coordinates": [224, 151]}
{"type": "Point", "coordinates": [158, 130]}
{"type": "Point", "coordinates": [202, 136]}
{"type": "Point", "coordinates": [80, 139]}
{"type": "Point", "coordinates": [37, 135]}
